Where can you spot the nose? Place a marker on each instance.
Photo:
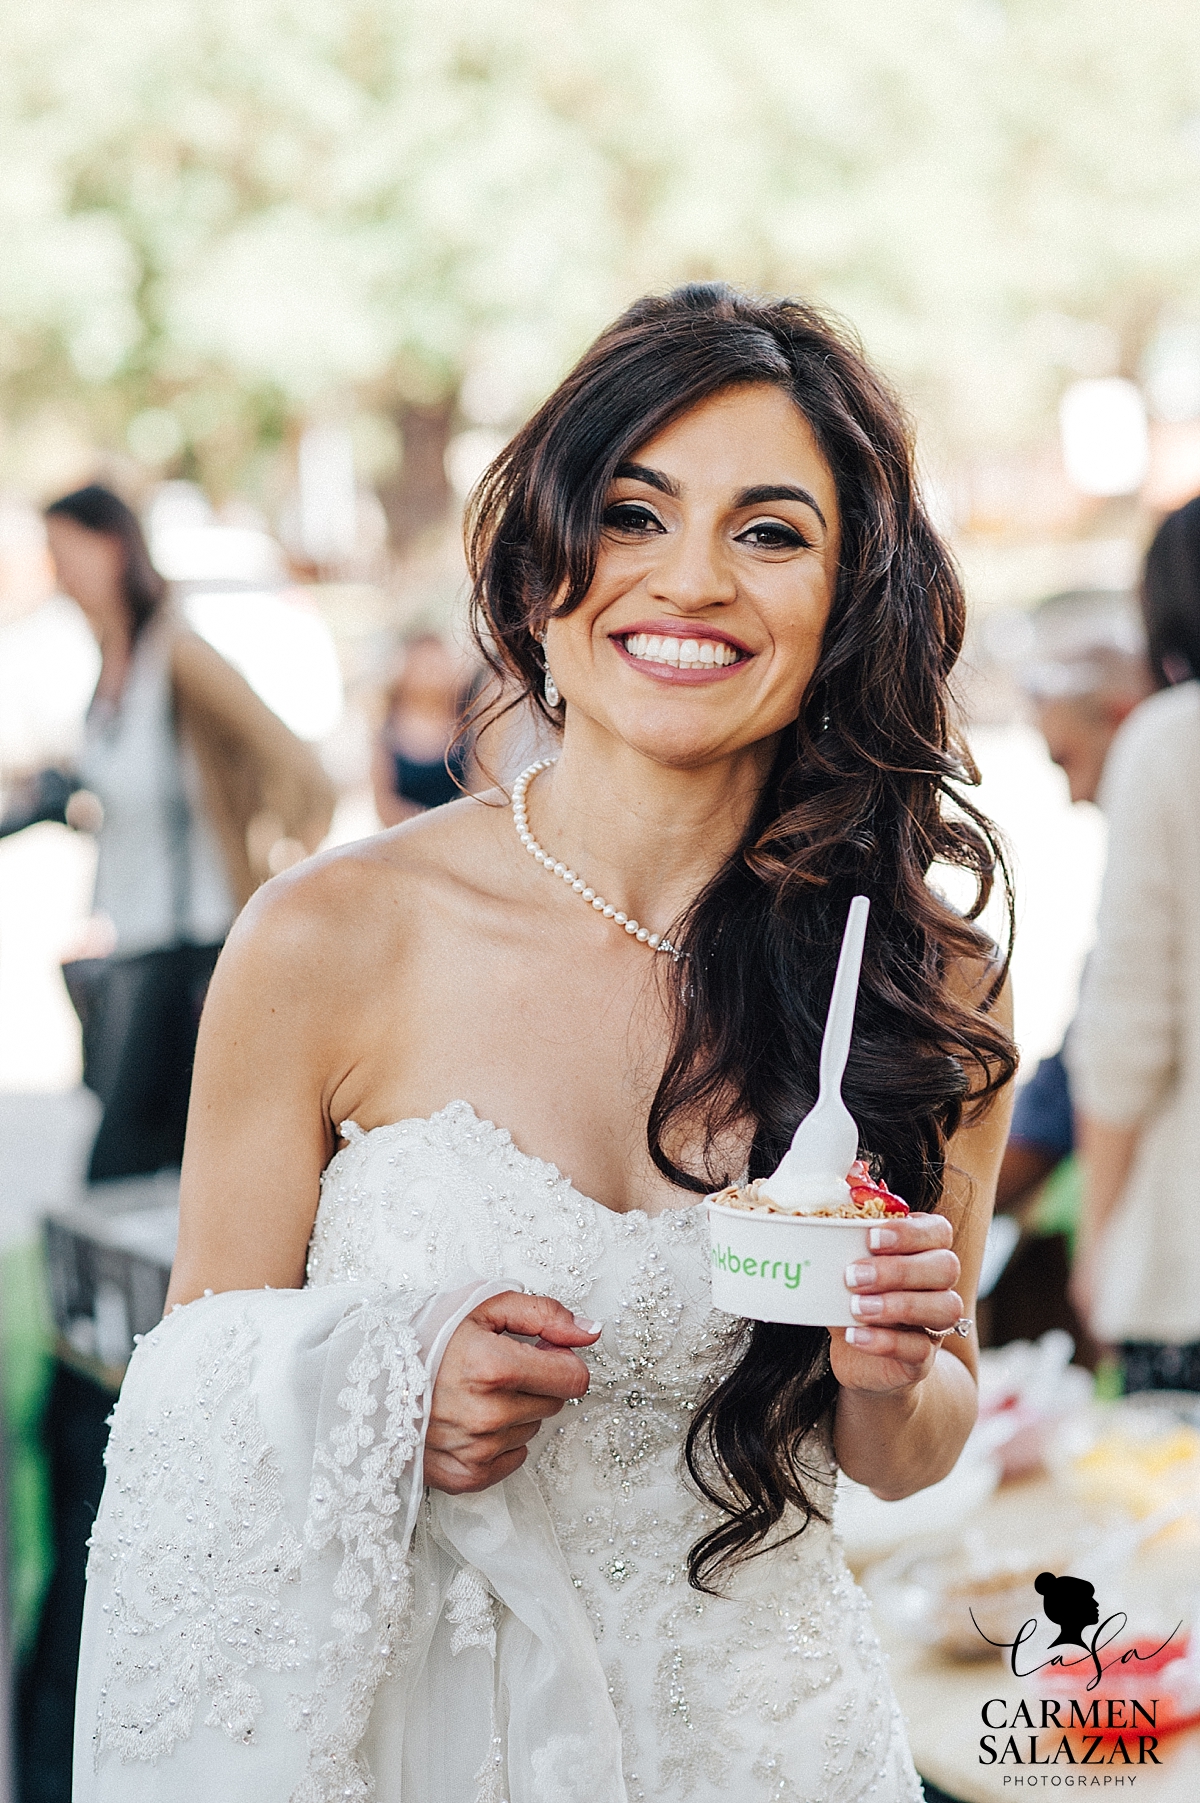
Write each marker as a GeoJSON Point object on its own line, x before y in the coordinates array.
{"type": "Point", "coordinates": [692, 570]}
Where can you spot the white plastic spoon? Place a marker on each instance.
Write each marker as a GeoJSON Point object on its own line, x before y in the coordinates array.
{"type": "Point", "coordinates": [825, 1144]}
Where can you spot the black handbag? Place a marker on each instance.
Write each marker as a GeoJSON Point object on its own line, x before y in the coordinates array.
{"type": "Point", "coordinates": [42, 797]}
{"type": "Point", "coordinates": [139, 1017]}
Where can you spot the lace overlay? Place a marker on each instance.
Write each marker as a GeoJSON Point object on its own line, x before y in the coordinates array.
{"type": "Point", "coordinates": [355, 1501]}
{"type": "Point", "coordinates": [217, 1588]}
{"type": "Point", "coordinates": [775, 1693]}
{"type": "Point", "coordinates": [250, 1575]}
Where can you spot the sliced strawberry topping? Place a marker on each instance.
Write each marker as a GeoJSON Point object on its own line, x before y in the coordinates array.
{"type": "Point", "coordinates": [863, 1187]}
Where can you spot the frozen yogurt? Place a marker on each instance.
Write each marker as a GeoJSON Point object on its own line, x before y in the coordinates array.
{"type": "Point", "coordinates": [856, 1197]}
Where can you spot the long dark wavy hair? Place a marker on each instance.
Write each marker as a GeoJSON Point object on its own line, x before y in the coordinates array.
{"type": "Point", "coordinates": [99, 510]}
{"type": "Point", "coordinates": [864, 796]}
{"type": "Point", "coordinates": [1171, 597]}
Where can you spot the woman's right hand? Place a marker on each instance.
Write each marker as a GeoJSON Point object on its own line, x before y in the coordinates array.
{"type": "Point", "coordinates": [493, 1391]}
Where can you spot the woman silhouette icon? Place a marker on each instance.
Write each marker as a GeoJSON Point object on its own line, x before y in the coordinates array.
{"type": "Point", "coordinates": [1070, 1603]}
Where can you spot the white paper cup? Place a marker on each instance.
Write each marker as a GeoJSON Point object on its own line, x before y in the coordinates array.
{"type": "Point", "coordinates": [784, 1267]}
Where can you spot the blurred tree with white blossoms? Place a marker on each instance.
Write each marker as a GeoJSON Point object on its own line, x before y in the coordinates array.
{"type": "Point", "coordinates": [222, 217]}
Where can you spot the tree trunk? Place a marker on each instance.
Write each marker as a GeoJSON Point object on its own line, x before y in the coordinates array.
{"type": "Point", "coordinates": [419, 495]}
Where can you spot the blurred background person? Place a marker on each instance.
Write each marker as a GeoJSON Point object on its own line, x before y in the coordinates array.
{"type": "Point", "coordinates": [1135, 1049]}
{"type": "Point", "coordinates": [1088, 674]}
{"type": "Point", "coordinates": [196, 792]}
{"type": "Point", "coordinates": [417, 761]}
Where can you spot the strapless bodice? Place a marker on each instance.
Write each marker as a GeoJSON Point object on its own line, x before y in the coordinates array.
{"type": "Point", "coordinates": [775, 1691]}
{"type": "Point", "coordinates": [420, 1202]}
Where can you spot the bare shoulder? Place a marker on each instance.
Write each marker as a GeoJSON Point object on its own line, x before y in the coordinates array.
{"type": "Point", "coordinates": [973, 1158]}
{"type": "Point", "coordinates": [328, 922]}
{"type": "Point", "coordinates": [982, 983]}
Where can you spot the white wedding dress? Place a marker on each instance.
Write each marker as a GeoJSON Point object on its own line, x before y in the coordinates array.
{"type": "Point", "coordinates": [278, 1613]}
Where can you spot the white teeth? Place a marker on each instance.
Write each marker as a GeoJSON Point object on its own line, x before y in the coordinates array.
{"type": "Point", "coordinates": [683, 654]}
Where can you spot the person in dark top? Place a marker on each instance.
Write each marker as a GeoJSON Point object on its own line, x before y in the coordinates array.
{"type": "Point", "coordinates": [418, 763]}
{"type": "Point", "coordinates": [1042, 1123]}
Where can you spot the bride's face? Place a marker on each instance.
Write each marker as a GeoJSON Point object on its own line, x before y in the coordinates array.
{"type": "Point", "coordinates": [714, 579]}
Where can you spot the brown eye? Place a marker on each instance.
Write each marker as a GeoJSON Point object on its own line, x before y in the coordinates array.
{"type": "Point", "coordinates": [773, 535]}
{"type": "Point", "coordinates": [631, 517]}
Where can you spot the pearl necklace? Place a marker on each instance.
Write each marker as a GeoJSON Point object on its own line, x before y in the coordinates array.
{"type": "Point", "coordinates": [655, 941]}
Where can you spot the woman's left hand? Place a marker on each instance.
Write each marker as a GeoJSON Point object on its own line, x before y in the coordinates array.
{"type": "Point", "coordinates": [906, 1286]}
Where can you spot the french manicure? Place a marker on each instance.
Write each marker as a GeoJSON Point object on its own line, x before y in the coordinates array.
{"type": "Point", "coordinates": [882, 1239]}
{"type": "Point", "coordinates": [586, 1326]}
{"type": "Point", "coordinates": [859, 1336]}
{"type": "Point", "coordinates": [860, 1277]}
{"type": "Point", "coordinates": [866, 1305]}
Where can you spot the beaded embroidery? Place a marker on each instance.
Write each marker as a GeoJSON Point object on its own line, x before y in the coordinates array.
{"type": "Point", "coordinates": [777, 1694]}
{"type": "Point", "coordinates": [217, 1586]}
{"type": "Point", "coordinates": [773, 1693]}
{"type": "Point", "coordinates": [355, 1499]}
{"type": "Point", "coordinates": [196, 1607]}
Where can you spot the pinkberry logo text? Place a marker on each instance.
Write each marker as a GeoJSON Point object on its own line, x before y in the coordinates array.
{"type": "Point", "coordinates": [775, 1270]}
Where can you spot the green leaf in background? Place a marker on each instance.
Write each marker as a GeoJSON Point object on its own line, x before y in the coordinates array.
{"type": "Point", "coordinates": [25, 1347]}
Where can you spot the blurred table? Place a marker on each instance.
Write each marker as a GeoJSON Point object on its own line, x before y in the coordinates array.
{"type": "Point", "coordinates": [108, 1262]}
{"type": "Point", "coordinates": [943, 1699]}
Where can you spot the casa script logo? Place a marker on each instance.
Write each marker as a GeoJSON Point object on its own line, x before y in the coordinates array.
{"type": "Point", "coordinates": [1100, 1699]}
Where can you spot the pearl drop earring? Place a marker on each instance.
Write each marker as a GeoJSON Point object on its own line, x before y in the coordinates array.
{"type": "Point", "coordinates": [549, 686]}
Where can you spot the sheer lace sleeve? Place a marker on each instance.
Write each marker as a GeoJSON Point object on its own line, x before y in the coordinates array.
{"type": "Point", "coordinates": [252, 1572]}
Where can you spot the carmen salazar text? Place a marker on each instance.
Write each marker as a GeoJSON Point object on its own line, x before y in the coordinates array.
{"type": "Point", "coordinates": [1017, 1738]}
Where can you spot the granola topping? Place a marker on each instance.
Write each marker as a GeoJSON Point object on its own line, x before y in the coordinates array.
{"type": "Point", "coordinates": [869, 1199]}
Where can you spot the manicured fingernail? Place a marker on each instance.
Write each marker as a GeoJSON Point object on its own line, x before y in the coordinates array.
{"type": "Point", "coordinates": [860, 1277]}
{"type": "Point", "coordinates": [866, 1305]}
{"type": "Point", "coordinates": [882, 1239]}
{"type": "Point", "coordinates": [586, 1326]}
{"type": "Point", "coordinates": [859, 1336]}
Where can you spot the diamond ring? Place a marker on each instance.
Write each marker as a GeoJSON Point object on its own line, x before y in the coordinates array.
{"type": "Point", "coordinates": [962, 1328]}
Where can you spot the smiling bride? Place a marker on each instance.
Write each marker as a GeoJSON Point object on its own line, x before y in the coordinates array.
{"type": "Point", "coordinates": [445, 1483]}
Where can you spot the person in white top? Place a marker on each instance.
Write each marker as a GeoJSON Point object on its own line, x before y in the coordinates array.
{"type": "Point", "coordinates": [1135, 1048]}
{"type": "Point", "coordinates": [1088, 674]}
{"type": "Point", "coordinates": [187, 765]}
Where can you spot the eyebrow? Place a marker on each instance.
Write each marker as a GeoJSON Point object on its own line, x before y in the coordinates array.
{"type": "Point", "coordinates": [748, 497]}
{"type": "Point", "coordinates": [779, 491]}
{"type": "Point", "coordinates": [639, 472]}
